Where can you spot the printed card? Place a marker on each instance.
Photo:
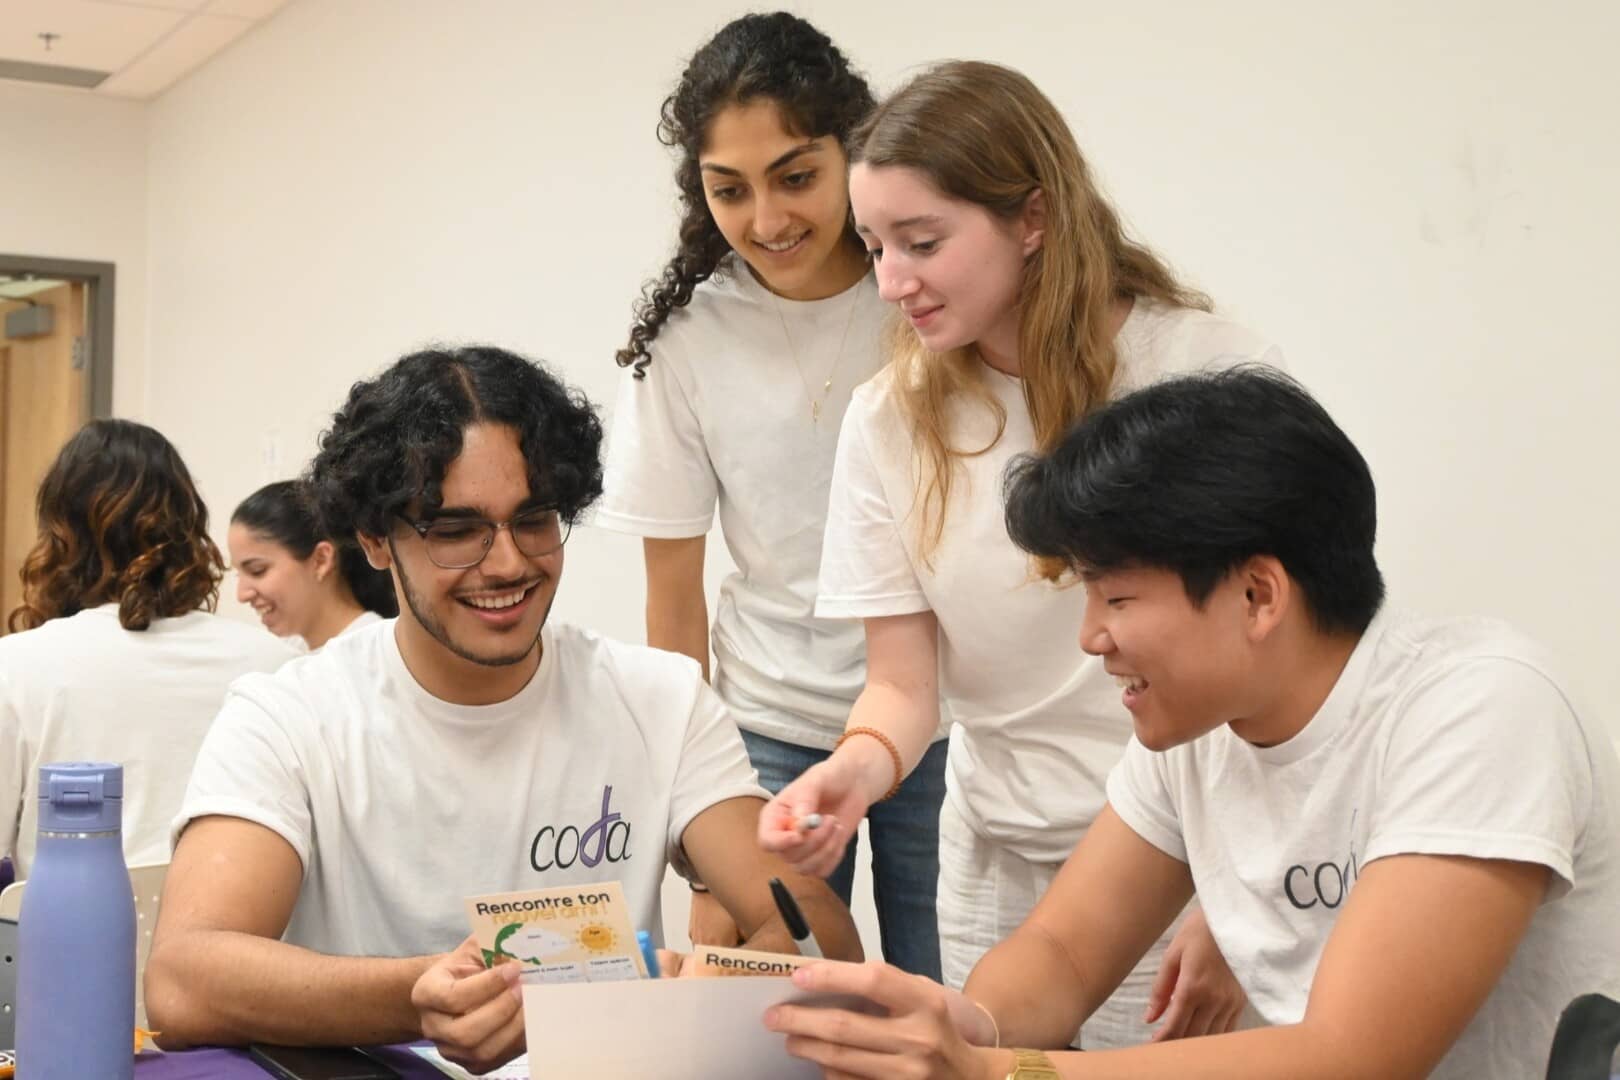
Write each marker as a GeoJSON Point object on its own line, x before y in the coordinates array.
{"type": "Point", "coordinates": [571, 934]}
{"type": "Point", "coordinates": [715, 960]}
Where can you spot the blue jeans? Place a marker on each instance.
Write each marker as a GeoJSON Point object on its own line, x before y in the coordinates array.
{"type": "Point", "coordinates": [905, 849]}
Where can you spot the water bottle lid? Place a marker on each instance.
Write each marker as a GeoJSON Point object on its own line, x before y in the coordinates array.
{"type": "Point", "coordinates": [81, 796]}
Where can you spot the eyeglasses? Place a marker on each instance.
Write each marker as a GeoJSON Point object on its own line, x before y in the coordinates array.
{"type": "Point", "coordinates": [462, 543]}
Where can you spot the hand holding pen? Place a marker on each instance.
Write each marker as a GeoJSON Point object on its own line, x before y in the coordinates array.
{"type": "Point", "coordinates": [810, 822]}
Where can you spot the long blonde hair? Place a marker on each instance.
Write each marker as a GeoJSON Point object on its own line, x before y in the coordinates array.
{"type": "Point", "coordinates": [985, 134]}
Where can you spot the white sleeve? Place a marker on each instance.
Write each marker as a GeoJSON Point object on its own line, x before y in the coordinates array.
{"type": "Point", "coordinates": [1490, 762]}
{"type": "Point", "coordinates": [659, 480]}
{"type": "Point", "coordinates": [1140, 793]}
{"type": "Point", "coordinates": [249, 768]}
{"type": "Point", "coordinates": [713, 767]}
{"type": "Point", "coordinates": [866, 571]}
{"type": "Point", "coordinates": [14, 759]}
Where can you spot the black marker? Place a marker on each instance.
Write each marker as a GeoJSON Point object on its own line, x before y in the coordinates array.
{"type": "Point", "coordinates": [797, 926]}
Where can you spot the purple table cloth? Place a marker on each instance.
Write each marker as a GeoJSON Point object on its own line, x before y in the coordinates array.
{"type": "Point", "coordinates": [236, 1065]}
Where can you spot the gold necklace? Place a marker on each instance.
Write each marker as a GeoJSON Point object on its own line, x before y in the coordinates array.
{"type": "Point", "coordinates": [793, 351]}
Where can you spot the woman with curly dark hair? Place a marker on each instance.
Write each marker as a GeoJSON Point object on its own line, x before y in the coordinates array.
{"type": "Point", "coordinates": [304, 585]}
{"type": "Point", "coordinates": [115, 653]}
{"type": "Point", "coordinates": [741, 363]}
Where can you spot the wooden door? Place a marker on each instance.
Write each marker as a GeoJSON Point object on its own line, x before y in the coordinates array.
{"type": "Point", "coordinates": [44, 399]}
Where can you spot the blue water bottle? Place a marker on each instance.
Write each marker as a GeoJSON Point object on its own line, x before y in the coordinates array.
{"type": "Point", "coordinates": [76, 932]}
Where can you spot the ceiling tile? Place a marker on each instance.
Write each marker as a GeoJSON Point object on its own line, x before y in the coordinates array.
{"type": "Point", "coordinates": [176, 57]}
{"type": "Point", "coordinates": [176, 5]}
{"type": "Point", "coordinates": [246, 9]}
{"type": "Point", "coordinates": [103, 37]}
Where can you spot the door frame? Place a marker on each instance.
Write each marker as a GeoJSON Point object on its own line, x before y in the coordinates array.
{"type": "Point", "coordinates": [101, 277]}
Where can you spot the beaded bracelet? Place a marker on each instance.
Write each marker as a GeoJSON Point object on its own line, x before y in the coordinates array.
{"type": "Point", "coordinates": [888, 744]}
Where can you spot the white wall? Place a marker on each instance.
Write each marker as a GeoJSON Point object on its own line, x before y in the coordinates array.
{"type": "Point", "coordinates": [1417, 202]}
{"type": "Point", "coordinates": [73, 186]}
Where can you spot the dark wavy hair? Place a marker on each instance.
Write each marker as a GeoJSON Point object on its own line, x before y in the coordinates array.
{"type": "Point", "coordinates": [119, 521]}
{"type": "Point", "coordinates": [285, 513]}
{"type": "Point", "coordinates": [778, 57]}
{"type": "Point", "coordinates": [1198, 474]}
{"type": "Point", "coordinates": [389, 446]}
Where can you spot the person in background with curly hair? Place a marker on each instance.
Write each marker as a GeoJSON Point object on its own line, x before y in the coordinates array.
{"type": "Point", "coordinates": [115, 653]}
{"type": "Point", "coordinates": [303, 584]}
{"type": "Point", "coordinates": [741, 364]}
{"type": "Point", "coordinates": [342, 808]}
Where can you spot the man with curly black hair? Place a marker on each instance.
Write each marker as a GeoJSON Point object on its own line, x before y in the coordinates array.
{"type": "Point", "coordinates": [341, 809]}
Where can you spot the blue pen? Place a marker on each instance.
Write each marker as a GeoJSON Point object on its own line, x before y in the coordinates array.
{"type": "Point", "coordinates": [649, 955]}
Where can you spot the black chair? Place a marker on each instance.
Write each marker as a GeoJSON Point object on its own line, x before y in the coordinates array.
{"type": "Point", "coordinates": [1583, 1046]}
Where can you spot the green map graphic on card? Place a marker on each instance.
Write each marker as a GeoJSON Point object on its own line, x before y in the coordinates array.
{"type": "Point", "coordinates": [568, 934]}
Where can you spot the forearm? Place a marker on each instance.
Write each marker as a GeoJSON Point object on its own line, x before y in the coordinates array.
{"type": "Point", "coordinates": [220, 987]}
{"type": "Point", "coordinates": [1273, 1053]}
{"type": "Point", "coordinates": [677, 610]}
{"type": "Point", "coordinates": [1035, 993]}
{"type": "Point", "coordinates": [908, 717]}
{"type": "Point", "coordinates": [682, 628]}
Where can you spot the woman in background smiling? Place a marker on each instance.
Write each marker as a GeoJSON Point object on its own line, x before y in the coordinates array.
{"type": "Point", "coordinates": [300, 582]}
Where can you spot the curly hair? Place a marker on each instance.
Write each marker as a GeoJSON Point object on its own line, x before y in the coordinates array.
{"type": "Point", "coordinates": [284, 512]}
{"type": "Point", "coordinates": [779, 57]}
{"type": "Point", "coordinates": [390, 445]}
{"type": "Point", "coordinates": [119, 521]}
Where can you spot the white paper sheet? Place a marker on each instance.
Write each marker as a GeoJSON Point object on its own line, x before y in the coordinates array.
{"type": "Point", "coordinates": [672, 1029]}
{"type": "Point", "coordinates": [516, 1069]}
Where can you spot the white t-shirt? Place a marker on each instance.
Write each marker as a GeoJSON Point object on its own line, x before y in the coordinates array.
{"type": "Point", "coordinates": [359, 622]}
{"type": "Point", "coordinates": [1040, 722]}
{"type": "Point", "coordinates": [1441, 737]}
{"type": "Point", "coordinates": [723, 417]}
{"type": "Point", "coordinates": [400, 804]}
{"type": "Point", "coordinates": [82, 688]}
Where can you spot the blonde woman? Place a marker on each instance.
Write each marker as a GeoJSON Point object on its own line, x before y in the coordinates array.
{"type": "Point", "coordinates": [1025, 306]}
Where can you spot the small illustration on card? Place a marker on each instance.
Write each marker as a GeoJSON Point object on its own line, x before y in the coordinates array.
{"type": "Point", "coordinates": [571, 934]}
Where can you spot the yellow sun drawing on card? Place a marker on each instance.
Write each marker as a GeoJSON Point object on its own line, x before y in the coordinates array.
{"type": "Point", "coordinates": [597, 938]}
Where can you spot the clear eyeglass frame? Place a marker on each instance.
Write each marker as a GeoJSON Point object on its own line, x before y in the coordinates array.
{"type": "Point", "coordinates": [462, 543]}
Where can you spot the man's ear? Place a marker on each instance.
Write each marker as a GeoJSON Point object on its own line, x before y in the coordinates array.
{"type": "Point", "coordinates": [1033, 220]}
{"type": "Point", "coordinates": [1268, 593]}
{"type": "Point", "coordinates": [378, 553]}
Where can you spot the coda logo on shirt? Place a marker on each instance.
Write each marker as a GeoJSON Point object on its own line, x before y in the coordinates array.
{"type": "Point", "coordinates": [607, 839]}
{"type": "Point", "coordinates": [1326, 883]}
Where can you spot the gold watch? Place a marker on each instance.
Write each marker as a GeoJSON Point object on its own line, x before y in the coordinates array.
{"type": "Point", "coordinates": [1032, 1065]}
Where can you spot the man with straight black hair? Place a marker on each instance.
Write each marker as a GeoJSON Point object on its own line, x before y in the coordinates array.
{"type": "Point", "coordinates": [1403, 833]}
{"type": "Point", "coordinates": [342, 808]}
